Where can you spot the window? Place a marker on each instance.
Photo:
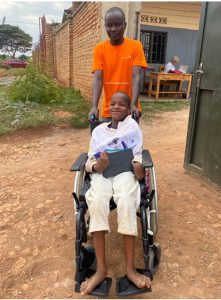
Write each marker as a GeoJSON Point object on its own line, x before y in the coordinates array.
{"type": "Point", "coordinates": [154, 43]}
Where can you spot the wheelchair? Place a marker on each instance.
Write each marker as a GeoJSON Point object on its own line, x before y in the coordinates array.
{"type": "Point", "coordinates": [85, 259]}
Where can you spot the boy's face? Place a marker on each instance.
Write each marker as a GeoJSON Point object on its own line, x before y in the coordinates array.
{"type": "Point", "coordinates": [119, 108]}
{"type": "Point", "coordinates": [115, 26]}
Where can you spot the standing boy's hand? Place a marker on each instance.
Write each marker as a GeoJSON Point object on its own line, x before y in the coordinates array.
{"type": "Point", "coordinates": [93, 111]}
{"type": "Point", "coordinates": [102, 163]}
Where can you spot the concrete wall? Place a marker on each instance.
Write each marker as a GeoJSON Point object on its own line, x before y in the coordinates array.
{"type": "Point", "coordinates": [129, 9]}
{"type": "Point", "coordinates": [171, 14]}
{"type": "Point", "coordinates": [180, 42]}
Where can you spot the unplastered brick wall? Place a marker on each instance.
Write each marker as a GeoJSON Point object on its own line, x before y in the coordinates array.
{"type": "Point", "coordinates": [62, 54]}
{"type": "Point", "coordinates": [86, 33]}
{"type": "Point", "coordinates": [49, 57]}
{"type": "Point", "coordinates": [68, 47]}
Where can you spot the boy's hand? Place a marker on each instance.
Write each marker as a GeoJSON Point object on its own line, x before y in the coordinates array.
{"type": "Point", "coordinates": [138, 170]}
{"type": "Point", "coordinates": [93, 111]}
{"type": "Point", "coordinates": [135, 110]}
{"type": "Point", "coordinates": [102, 163]}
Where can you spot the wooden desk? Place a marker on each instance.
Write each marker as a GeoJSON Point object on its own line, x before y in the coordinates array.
{"type": "Point", "coordinates": [158, 77]}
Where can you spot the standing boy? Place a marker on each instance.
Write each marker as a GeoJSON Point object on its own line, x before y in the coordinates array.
{"type": "Point", "coordinates": [117, 65]}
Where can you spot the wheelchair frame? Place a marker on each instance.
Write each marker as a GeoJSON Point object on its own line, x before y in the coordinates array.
{"type": "Point", "coordinates": [85, 256]}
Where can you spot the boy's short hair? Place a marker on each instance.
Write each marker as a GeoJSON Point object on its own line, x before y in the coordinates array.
{"type": "Point", "coordinates": [115, 9]}
{"type": "Point", "coordinates": [126, 97]}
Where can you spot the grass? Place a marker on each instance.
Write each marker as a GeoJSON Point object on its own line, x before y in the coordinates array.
{"type": "Point", "coordinates": [153, 108]}
{"type": "Point", "coordinates": [12, 72]}
{"type": "Point", "coordinates": [17, 115]}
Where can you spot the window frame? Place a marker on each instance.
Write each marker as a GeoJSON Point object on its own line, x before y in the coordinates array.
{"type": "Point", "coordinates": [149, 47]}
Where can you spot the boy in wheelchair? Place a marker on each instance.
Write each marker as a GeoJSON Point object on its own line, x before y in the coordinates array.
{"type": "Point", "coordinates": [121, 133]}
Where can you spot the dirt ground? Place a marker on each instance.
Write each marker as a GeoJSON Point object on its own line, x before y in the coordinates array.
{"type": "Point", "coordinates": [37, 217]}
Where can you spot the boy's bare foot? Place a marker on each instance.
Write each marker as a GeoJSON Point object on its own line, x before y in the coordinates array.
{"type": "Point", "coordinates": [90, 283]}
{"type": "Point", "coordinates": [138, 279]}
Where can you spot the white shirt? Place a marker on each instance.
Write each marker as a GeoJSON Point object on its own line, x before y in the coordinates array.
{"type": "Point", "coordinates": [169, 67]}
{"type": "Point", "coordinates": [104, 138]}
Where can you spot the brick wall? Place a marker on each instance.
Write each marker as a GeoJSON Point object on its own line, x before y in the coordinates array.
{"type": "Point", "coordinates": [67, 49]}
{"type": "Point", "coordinates": [86, 33]}
{"type": "Point", "coordinates": [62, 54]}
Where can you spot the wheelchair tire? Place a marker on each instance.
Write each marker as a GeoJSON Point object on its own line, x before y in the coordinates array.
{"type": "Point", "coordinates": [88, 258]}
{"type": "Point", "coordinates": [153, 212]}
{"type": "Point", "coordinates": [78, 181]}
{"type": "Point", "coordinates": [154, 257]}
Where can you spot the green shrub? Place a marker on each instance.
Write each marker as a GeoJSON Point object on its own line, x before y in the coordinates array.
{"type": "Point", "coordinates": [75, 103]}
{"type": "Point", "coordinates": [35, 87]}
{"type": "Point", "coordinates": [7, 67]}
{"type": "Point", "coordinates": [13, 72]}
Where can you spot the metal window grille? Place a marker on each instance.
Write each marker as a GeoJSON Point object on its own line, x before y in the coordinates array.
{"type": "Point", "coordinates": [154, 43]}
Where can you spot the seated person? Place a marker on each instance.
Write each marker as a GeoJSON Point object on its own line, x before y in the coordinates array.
{"type": "Point", "coordinates": [124, 132]}
{"type": "Point", "coordinates": [170, 67]}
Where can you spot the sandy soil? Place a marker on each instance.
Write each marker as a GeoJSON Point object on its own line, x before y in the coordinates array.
{"type": "Point", "coordinates": [37, 217]}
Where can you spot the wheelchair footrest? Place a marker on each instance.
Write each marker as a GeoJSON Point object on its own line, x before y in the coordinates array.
{"type": "Point", "coordinates": [102, 290]}
{"type": "Point", "coordinates": [124, 287]}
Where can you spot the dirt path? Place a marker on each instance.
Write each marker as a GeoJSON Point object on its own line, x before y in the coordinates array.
{"type": "Point", "coordinates": [37, 218]}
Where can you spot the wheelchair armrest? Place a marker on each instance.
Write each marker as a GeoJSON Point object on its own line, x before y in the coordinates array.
{"type": "Point", "coordinates": [79, 164]}
{"type": "Point", "coordinates": [147, 160]}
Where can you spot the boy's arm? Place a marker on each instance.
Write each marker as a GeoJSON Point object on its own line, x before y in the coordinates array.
{"type": "Point", "coordinates": [137, 160]}
{"type": "Point", "coordinates": [138, 170]}
{"type": "Point", "coordinates": [97, 166]}
{"type": "Point", "coordinates": [92, 164]}
{"type": "Point", "coordinates": [137, 151]}
{"type": "Point", "coordinates": [136, 71]}
{"type": "Point", "coordinates": [139, 62]}
{"type": "Point", "coordinates": [97, 69]}
{"type": "Point", "coordinates": [96, 92]}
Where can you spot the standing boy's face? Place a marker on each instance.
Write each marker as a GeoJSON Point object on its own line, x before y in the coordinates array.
{"type": "Point", "coordinates": [119, 108]}
{"type": "Point", "coordinates": [115, 26]}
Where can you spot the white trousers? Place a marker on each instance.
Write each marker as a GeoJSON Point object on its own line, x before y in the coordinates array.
{"type": "Point", "coordinates": [125, 189]}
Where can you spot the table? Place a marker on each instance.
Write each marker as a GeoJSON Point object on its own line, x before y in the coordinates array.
{"type": "Point", "coordinates": [161, 76]}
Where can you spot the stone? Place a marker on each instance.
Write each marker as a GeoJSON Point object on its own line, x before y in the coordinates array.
{"type": "Point", "coordinates": [19, 264]}
{"type": "Point", "coordinates": [57, 218]}
{"type": "Point", "coordinates": [167, 252]}
{"type": "Point", "coordinates": [40, 205]}
{"type": "Point", "coordinates": [217, 225]}
{"type": "Point", "coordinates": [24, 287]}
{"type": "Point", "coordinates": [211, 282]}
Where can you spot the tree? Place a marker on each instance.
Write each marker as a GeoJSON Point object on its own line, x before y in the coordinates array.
{"type": "Point", "coordinates": [23, 57]}
{"type": "Point", "coordinates": [13, 39]}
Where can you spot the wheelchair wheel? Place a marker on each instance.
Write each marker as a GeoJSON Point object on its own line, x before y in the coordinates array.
{"type": "Point", "coordinates": [154, 257]}
{"type": "Point", "coordinates": [78, 181]}
{"type": "Point", "coordinates": [153, 211]}
{"type": "Point", "coordinates": [88, 258]}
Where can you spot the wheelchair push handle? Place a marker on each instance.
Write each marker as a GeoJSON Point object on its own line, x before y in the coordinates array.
{"type": "Point", "coordinates": [92, 118]}
{"type": "Point", "coordinates": [135, 116]}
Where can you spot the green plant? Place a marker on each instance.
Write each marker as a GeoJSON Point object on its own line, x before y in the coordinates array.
{"type": "Point", "coordinates": [7, 67]}
{"type": "Point", "coordinates": [36, 87]}
{"type": "Point", "coordinates": [13, 72]}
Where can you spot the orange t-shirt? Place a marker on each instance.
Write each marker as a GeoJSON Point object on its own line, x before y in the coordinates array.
{"type": "Point", "coordinates": [117, 61]}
